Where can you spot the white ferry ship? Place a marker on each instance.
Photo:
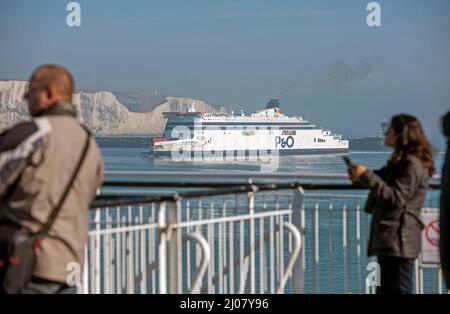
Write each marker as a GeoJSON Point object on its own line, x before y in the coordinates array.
{"type": "Point", "coordinates": [221, 134]}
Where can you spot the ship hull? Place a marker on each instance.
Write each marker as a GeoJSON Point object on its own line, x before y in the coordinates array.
{"type": "Point", "coordinates": [250, 153]}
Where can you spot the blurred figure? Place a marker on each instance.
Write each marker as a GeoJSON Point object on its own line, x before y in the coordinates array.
{"type": "Point", "coordinates": [444, 219]}
{"type": "Point", "coordinates": [38, 164]}
{"type": "Point", "coordinates": [397, 193]}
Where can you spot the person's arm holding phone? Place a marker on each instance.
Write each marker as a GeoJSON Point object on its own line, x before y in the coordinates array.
{"type": "Point", "coordinates": [355, 171]}
{"type": "Point", "coordinates": [394, 195]}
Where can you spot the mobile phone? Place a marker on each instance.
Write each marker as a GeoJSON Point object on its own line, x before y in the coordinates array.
{"type": "Point", "coordinates": [347, 160]}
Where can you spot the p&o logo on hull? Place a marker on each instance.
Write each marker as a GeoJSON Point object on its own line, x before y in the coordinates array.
{"type": "Point", "coordinates": [284, 142]}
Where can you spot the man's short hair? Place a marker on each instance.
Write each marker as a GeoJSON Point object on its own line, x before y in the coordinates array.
{"type": "Point", "coordinates": [55, 76]}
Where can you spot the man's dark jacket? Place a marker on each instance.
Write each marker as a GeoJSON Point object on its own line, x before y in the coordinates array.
{"type": "Point", "coordinates": [445, 206]}
{"type": "Point", "coordinates": [397, 193]}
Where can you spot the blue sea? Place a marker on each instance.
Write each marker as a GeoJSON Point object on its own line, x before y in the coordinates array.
{"type": "Point", "coordinates": [138, 159]}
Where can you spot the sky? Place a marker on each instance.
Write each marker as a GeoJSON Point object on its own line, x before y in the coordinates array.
{"type": "Point", "coordinates": [320, 58]}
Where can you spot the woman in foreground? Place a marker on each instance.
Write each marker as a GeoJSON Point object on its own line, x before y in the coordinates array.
{"type": "Point", "coordinates": [397, 193]}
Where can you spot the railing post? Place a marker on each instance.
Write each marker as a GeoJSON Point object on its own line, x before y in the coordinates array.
{"type": "Point", "coordinates": [130, 255]}
{"type": "Point", "coordinates": [345, 246]}
{"type": "Point", "coordinates": [298, 219]}
{"type": "Point", "coordinates": [251, 230]}
{"type": "Point", "coordinates": [162, 248]}
{"type": "Point", "coordinates": [175, 261]}
{"type": "Point", "coordinates": [107, 260]}
{"type": "Point", "coordinates": [86, 276]}
{"type": "Point", "coordinates": [97, 251]}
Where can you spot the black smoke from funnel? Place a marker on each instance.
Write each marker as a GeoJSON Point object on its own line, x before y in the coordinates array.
{"type": "Point", "coordinates": [340, 72]}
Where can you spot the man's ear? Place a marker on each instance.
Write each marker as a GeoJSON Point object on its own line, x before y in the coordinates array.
{"type": "Point", "coordinates": [49, 92]}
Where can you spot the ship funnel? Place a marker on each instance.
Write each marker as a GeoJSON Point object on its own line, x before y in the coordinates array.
{"type": "Point", "coordinates": [273, 103]}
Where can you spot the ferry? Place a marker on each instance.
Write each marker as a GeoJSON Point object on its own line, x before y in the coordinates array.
{"type": "Point", "coordinates": [266, 131]}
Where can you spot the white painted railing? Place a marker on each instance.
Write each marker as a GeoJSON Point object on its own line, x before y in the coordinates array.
{"type": "Point", "coordinates": [260, 238]}
{"type": "Point", "coordinates": [149, 248]}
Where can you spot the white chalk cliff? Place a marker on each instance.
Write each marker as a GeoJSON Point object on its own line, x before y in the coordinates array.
{"type": "Point", "coordinates": [101, 111]}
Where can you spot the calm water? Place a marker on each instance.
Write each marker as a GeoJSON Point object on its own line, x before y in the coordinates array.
{"type": "Point", "coordinates": [137, 159]}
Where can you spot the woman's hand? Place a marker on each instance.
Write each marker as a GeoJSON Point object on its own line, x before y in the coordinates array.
{"type": "Point", "coordinates": [355, 171]}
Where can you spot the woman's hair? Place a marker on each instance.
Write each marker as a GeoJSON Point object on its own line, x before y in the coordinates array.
{"type": "Point", "coordinates": [411, 139]}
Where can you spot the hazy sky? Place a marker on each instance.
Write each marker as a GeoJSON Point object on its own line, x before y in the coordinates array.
{"type": "Point", "coordinates": [319, 57]}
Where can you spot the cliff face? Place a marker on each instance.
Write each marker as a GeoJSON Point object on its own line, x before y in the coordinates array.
{"type": "Point", "coordinates": [101, 111]}
{"type": "Point", "coordinates": [13, 108]}
{"type": "Point", "coordinates": [140, 102]}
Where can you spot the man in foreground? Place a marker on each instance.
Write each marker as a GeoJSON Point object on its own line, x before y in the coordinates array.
{"type": "Point", "coordinates": [50, 169]}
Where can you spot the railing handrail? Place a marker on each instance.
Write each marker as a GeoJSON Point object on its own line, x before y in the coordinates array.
{"type": "Point", "coordinates": [234, 189]}
{"type": "Point", "coordinates": [239, 189]}
{"type": "Point", "coordinates": [221, 174]}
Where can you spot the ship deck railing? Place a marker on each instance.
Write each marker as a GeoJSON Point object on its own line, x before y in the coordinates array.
{"type": "Point", "coordinates": [234, 233]}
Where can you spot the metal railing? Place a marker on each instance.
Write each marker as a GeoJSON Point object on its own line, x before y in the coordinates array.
{"type": "Point", "coordinates": [233, 237]}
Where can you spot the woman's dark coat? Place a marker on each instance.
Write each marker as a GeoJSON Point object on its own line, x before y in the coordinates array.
{"type": "Point", "coordinates": [397, 193]}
